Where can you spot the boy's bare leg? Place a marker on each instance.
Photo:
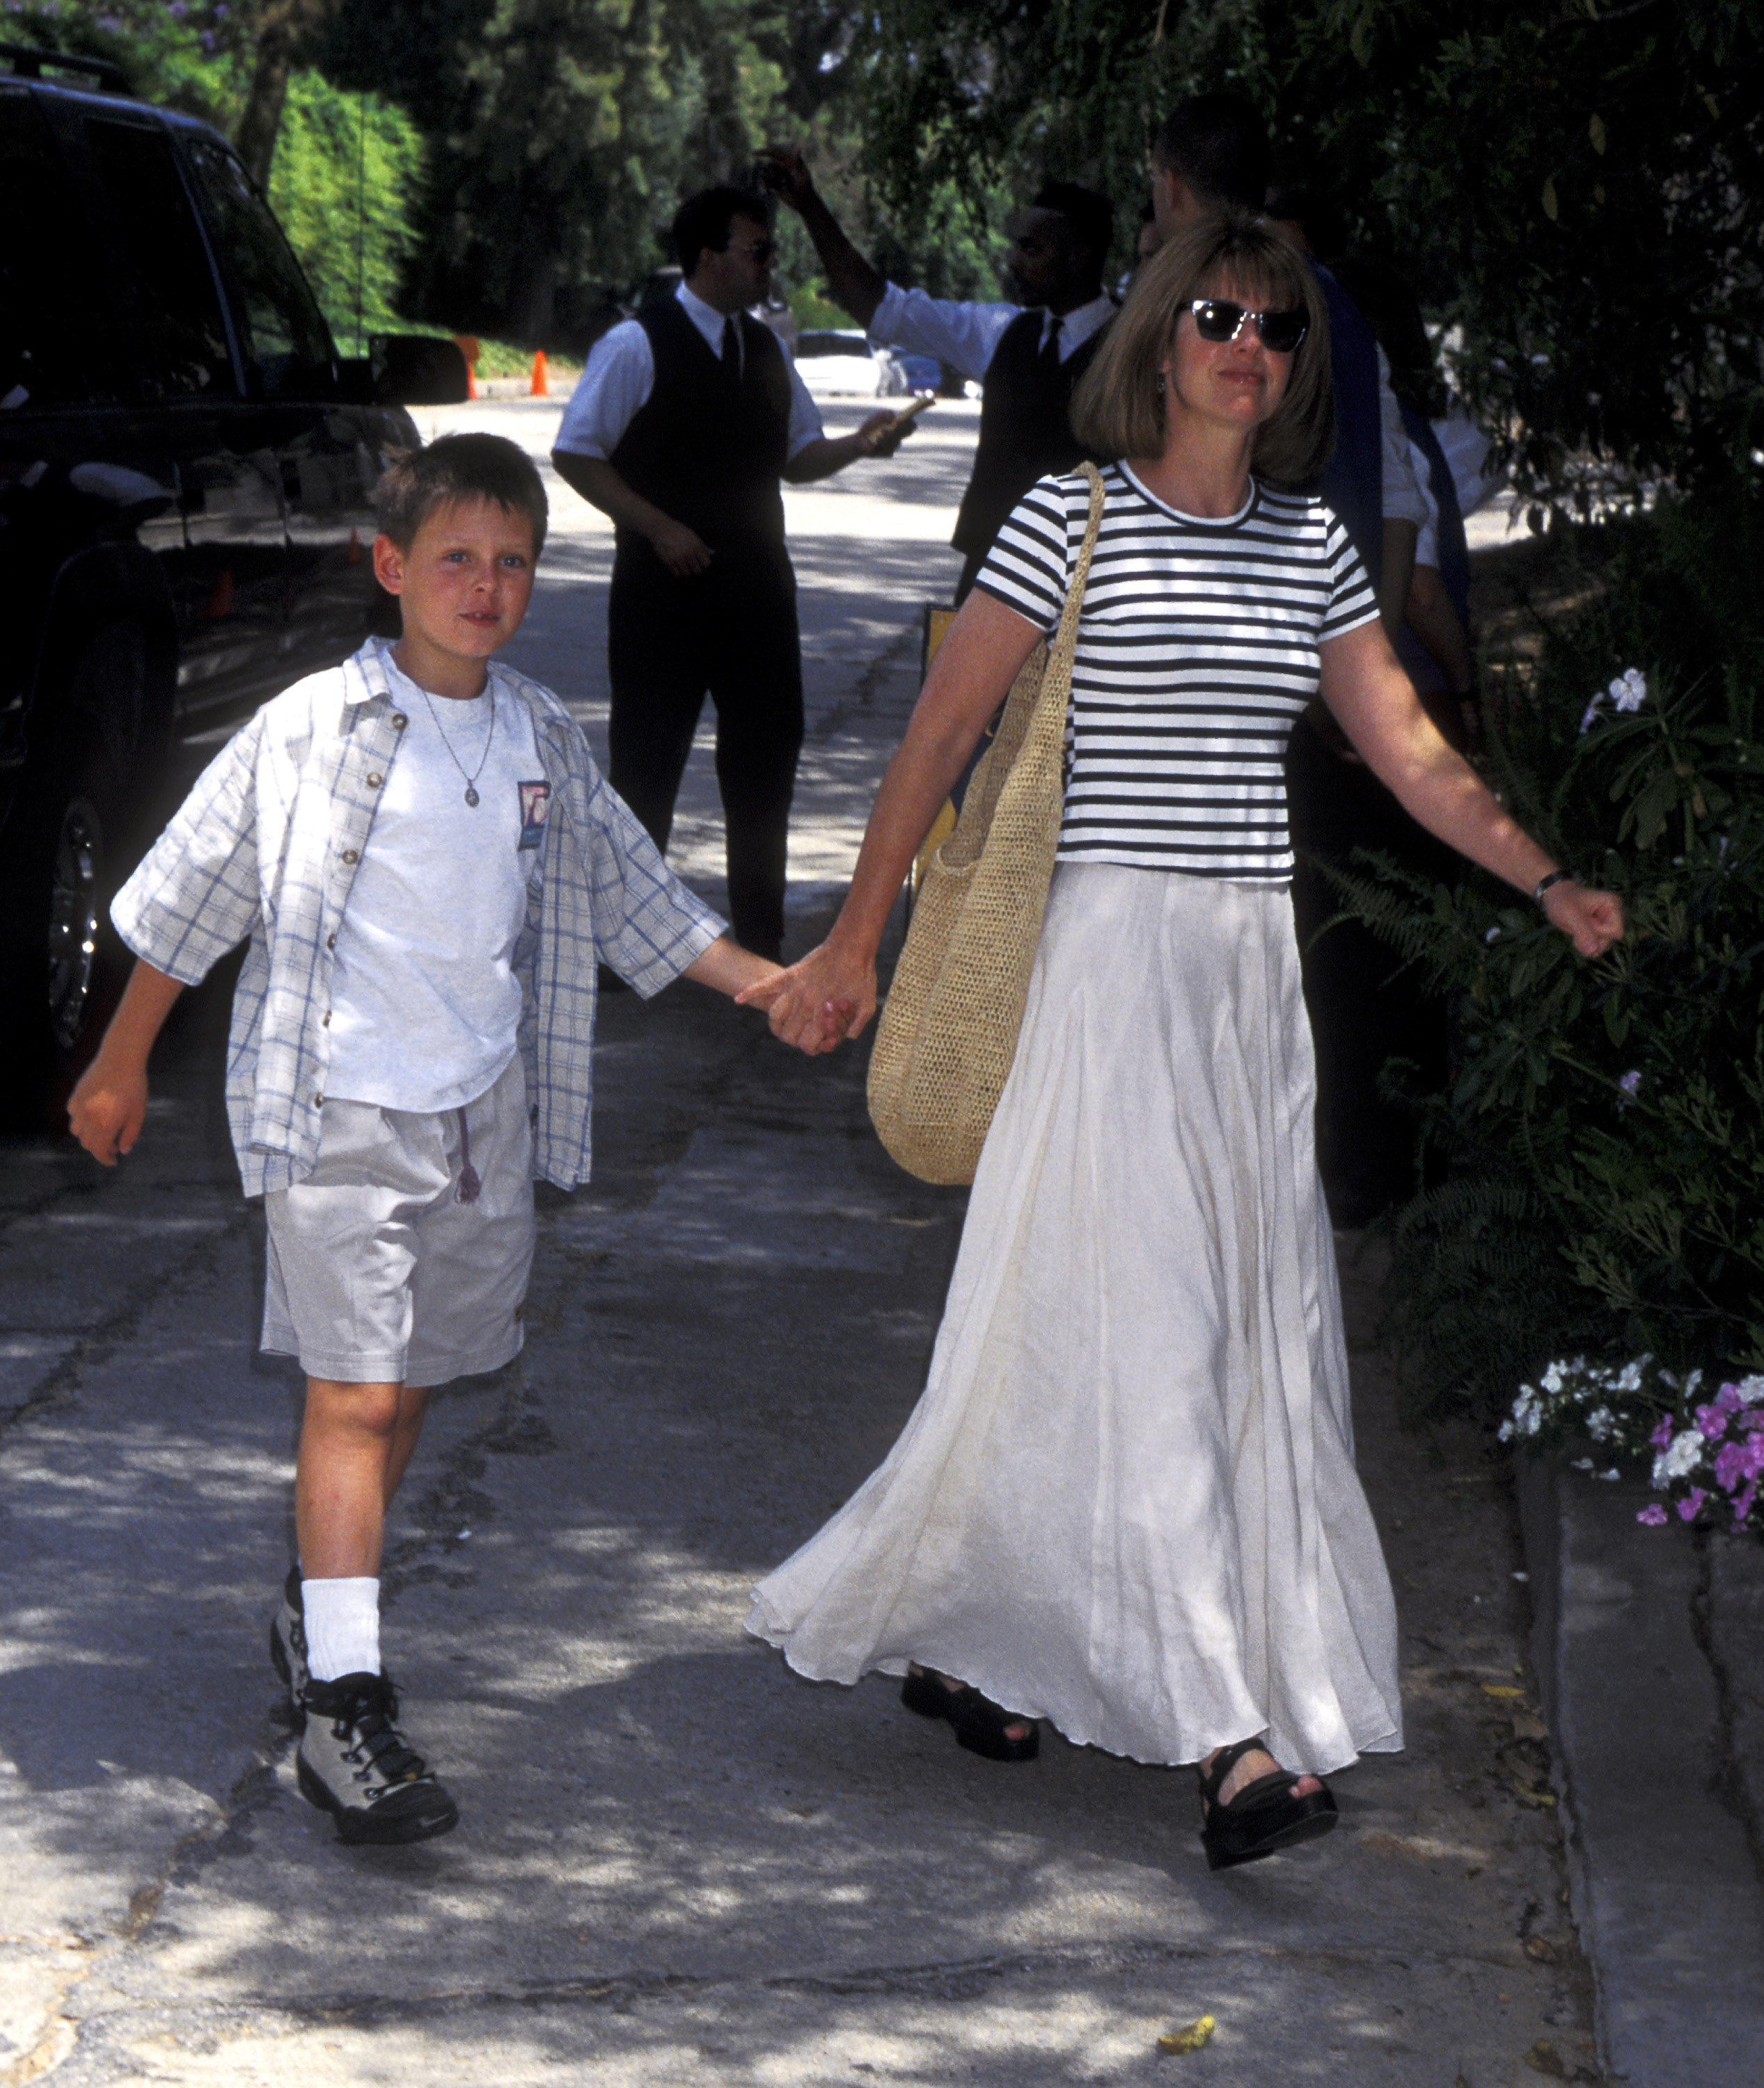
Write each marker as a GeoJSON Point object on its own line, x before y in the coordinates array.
{"type": "Point", "coordinates": [355, 1442]}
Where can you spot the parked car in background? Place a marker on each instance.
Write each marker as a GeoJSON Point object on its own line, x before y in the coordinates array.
{"type": "Point", "coordinates": [186, 468]}
{"type": "Point", "coordinates": [835, 361]}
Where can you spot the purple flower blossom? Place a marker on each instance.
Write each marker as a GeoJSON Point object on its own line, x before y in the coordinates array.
{"type": "Point", "coordinates": [1591, 712]}
{"type": "Point", "coordinates": [1737, 1461]}
{"type": "Point", "coordinates": [1663, 1432]}
{"type": "Point", "coordinates": [1691, 1506]}
{"type": "Point", "coordinates": [1712, 1421]}
{"type": "Point", "coordinates": [1742, 1506]}
{"type": "Point", "coordinates": [1727, 1399]}
{"type": "Point", "coordinates": [1631, 1083]}
{"type": "Point", "coordinates": [1652, 1515]}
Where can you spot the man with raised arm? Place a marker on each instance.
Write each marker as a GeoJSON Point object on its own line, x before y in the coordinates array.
{"type": "Point", "coordinates": [1028, 355]}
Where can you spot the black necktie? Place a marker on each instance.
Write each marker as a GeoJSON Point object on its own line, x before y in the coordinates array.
{"type": "Point", "coordinates": [731, 348]}
{"type": "Point", "coordinates": [1050, 347]}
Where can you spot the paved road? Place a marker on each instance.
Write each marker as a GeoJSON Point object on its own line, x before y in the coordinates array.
{"type": "Point", "coordinates": [677, 1863]}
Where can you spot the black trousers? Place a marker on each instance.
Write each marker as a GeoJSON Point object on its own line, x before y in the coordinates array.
{"type": "Point", "coordinates": [729, 633]}
{"type": "Point", "coordinates": [1366, 1007]}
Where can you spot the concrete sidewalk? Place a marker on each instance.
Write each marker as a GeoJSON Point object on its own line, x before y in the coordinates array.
{"type": "Point", "coordinates": [677, 1862]}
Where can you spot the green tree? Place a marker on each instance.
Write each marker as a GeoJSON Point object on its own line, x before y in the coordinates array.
{"type": "Point", "coordinates": [347, 173]}
{"type": "Point", "coordinates": [1575, 184]}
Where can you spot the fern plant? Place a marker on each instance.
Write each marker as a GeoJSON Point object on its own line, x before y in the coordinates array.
{"type": "Point", "coordinates": [1600, 1154]}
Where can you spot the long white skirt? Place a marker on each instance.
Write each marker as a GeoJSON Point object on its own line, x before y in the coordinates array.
{"type": "Point", "coordinates": [1127, 1501]}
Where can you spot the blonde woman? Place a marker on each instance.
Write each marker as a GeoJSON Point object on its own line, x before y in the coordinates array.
{"type": "Point", "coordinates": [1127, 1502]}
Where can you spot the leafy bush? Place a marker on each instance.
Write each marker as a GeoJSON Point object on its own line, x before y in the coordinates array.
{"type": "Point", "coordinates": [1602, 1150]}
{"type": "Point", "coordinates": [347, 173]}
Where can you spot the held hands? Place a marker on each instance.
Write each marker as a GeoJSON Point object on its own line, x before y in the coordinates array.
{"type": "Point", "coordinates": [820, 1001]}
{"type": "Point", "coordinates": [682, 551]}
{"type": "Point", "coordinates": [108, 1108]}
{"type": "Point", "coordinates": [1592, 921]}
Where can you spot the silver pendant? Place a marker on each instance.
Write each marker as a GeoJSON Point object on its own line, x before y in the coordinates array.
{"type": "Point", "coordinates": [471, 795]}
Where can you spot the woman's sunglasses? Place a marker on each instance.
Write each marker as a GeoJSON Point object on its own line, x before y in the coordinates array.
{"type": "Point", "coordinates": [1219, 318]}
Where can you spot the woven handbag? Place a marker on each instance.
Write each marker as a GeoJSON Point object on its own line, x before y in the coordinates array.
{"type": "Point", "coordinates": [948, 1029]}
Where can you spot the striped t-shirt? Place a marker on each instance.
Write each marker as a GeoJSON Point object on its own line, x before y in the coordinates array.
{"type": "Point", "coordinates": [1196, 650]}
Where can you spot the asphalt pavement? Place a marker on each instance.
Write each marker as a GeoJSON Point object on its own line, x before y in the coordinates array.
{"type": "Point", "coordinates": [677, 1862]}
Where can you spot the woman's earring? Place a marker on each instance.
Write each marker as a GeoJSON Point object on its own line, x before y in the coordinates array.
{"type": "Point", "coordinates": [1160, 384]}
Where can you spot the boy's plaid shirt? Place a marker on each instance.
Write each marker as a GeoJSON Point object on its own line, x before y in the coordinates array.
{"type": "Point", "coordinates": [267, 844]}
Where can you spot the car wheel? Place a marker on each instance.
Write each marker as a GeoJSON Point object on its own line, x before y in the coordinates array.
{"type": "Point", "coordinates": [62, 964]}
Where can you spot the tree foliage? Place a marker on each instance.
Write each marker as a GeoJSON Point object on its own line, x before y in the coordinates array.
{"type": "Point", "coordinates": [1576, 186]}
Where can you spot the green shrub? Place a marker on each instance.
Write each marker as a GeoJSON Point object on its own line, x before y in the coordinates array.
{"type": "Point", "coordinates": [346, 182]}
{"type": "Point", "coordinates": [1600, 1158]}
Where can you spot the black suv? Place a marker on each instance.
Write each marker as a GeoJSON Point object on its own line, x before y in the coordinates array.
{"type": "Point", "coordinates": [185, 472]}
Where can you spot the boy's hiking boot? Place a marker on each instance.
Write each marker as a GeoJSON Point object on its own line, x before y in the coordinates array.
{"type": "Point", "coordinates": [354, 1763]}
{"type": "Point", "coordinates": [287, 1642]}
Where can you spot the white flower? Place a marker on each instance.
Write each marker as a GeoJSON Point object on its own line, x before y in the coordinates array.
{"type": "Point", "coordinates": [1552, 1377]}
{"type": "Point", "coordinates": [1613, 1473]}
{"type": "Point", "coordinates": [1679, 1458]}
{"type": "Point", "coordinates": [1631, 1379]}
{"type": "Point", "coordinates": [1751, 1390]}
{"type": "Point", "coordinates": [1691, 1384]}
{"type": "Point", "coordinates": [1629, 692]}
{"type": "Point", "coordinates": [1600, 1422]}
{"type": "Point", "coordinates": [1493, 935]}
{"type": "Point", "coordinates": [1591, 712]}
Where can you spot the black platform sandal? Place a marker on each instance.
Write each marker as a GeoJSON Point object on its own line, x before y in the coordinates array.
{"type": "Point", "coordinates": [978, 1722]}
{"type": "Point", "coordinates": [1263, 1816]}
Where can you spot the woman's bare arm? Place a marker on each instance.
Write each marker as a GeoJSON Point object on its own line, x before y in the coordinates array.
{"type": "Point", "coordinates": [1375, 705]}
{"type": "Point", "coordinates": [830, 994]}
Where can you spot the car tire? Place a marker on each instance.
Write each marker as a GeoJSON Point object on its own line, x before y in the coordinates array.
{"type": "Point", "coordinates": [64, 851]}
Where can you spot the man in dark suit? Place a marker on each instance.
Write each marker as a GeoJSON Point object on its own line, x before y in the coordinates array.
{"type": "Point", "coordinates": [1027, 356]}
{"type": "Point", "coordinates": [684, 423]}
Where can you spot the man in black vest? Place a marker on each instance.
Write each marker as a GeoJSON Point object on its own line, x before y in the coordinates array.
{"type": "Point", "coordinates": [685, 420]}
{"type": "Point", "coordinates": [1028, 355]}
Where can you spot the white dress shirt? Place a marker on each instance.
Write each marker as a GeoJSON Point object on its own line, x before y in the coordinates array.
{"type": "Point", "coordinates": [967, 335]}
{"type": "Point", "coordinates": [621, 374]}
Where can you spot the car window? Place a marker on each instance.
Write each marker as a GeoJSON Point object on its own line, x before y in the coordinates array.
{"type": "Point", "coordinates": [57, 344]}
{"type": "Point", "coordinates": [288, 338]}
{"type": "Point", "coordinates": [830, 343]}
{"type": "Point", "coordinates": [182, 336]}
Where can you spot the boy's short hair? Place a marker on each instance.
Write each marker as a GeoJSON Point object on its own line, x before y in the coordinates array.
{"type": "Point", "coordinates": [704, 219]}
{"type": "Point", "coordinates": [459, 468]}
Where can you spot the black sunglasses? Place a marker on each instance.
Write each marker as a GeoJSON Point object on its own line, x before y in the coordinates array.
{"type": "Point", "coordinates": [1219, 318]}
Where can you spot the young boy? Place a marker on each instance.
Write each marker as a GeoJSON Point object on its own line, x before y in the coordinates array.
{"type": "Point", "coordinates": [430, 867]}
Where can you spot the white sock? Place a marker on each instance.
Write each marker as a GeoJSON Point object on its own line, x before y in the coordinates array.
{"type": "Point", "coordinates": [342, 1627]}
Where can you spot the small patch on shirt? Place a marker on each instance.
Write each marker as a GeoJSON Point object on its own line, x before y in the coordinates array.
{"type": "Point", "coordinates": [535, 801]}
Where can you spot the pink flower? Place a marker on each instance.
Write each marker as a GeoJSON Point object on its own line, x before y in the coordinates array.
{"type": "Point", "coordinates": [1735, 1462]}
{"type": "Point", "coordinates": [1691, 1506]}
{"type": "Point", "coordinates": [1652, 1515]}
{"type": "Point", "coordinates": [1662, 1433]}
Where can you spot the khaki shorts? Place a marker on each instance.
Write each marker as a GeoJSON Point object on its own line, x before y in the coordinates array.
{"type": "Point", "coordinates": [378, 1273]}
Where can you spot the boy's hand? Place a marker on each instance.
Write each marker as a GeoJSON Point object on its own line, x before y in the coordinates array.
{"type": "Point", "coordinates": [820, 1003]}
{"type": "Point", "coordinates": [682, 551]}
{"type": "Point", "coordinates": [1592, 921]}
{"type": "Point", "coordinates": [108, 1108]}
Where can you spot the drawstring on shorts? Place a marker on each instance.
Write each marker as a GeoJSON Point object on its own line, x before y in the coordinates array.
{"type": "Point", "coordinates": [469, 1184]}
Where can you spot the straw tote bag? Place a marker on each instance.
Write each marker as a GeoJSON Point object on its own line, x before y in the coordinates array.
{"type": "Point", "coordinates": [949, 1028]}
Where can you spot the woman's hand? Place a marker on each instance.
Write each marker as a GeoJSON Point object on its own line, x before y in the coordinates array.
{"type": "Point", "coordinates": [1592, 921]}
{"type": "Point", "coordinates": [822, 1000]}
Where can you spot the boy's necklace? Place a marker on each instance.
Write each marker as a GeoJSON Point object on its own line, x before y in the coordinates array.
{"type": "Point", "coordinates": [471, 794]}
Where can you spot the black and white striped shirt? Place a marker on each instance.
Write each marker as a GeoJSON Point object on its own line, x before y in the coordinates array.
{"type": "Point", "coordinates": [1196, 650]}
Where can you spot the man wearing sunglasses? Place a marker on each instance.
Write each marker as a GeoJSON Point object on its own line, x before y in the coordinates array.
{"type": "Point", "coordinates": [1028, 355]}
{"type": "Point", "coordinates": [684, 423]}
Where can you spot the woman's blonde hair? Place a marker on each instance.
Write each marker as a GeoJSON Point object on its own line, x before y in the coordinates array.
{"type": "Point", "coordinates": [1117, 409]}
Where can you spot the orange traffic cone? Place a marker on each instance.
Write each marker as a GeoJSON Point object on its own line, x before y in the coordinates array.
{"type": "Point", "coordinates": [467, 344]}
{"type": "Point", "coordinates": [541, 390]}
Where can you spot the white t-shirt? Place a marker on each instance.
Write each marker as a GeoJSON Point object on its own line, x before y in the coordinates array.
{"type": "Point", "coordinates": [425, 1004]}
